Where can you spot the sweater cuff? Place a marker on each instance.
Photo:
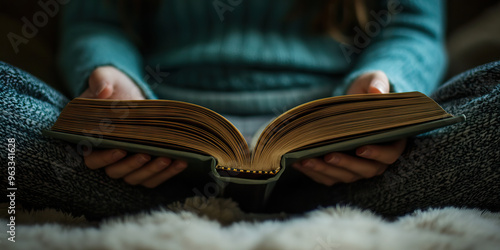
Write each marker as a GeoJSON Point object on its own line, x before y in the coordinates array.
{"type": "Point", "coordinates": [406, 70]}
{"type": "Point", "coordinates": [396, 79]}
{"type": "Point", "coordinates": [86, 47]}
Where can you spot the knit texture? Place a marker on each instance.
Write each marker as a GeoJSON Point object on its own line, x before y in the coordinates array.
{"type": "Point", "coordinates": [458, 165]}
{"type": "Point", "coordinates": [197, 51]}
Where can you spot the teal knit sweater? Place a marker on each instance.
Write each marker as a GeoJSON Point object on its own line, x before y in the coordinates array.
{"type": "Point", "coordinates": [245, 57]}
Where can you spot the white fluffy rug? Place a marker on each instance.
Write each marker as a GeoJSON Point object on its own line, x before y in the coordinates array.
{"type": "Point", "coordinates": [219, 224]}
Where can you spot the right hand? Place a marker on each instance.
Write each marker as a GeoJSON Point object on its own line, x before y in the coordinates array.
{"type": "Point", "coordinates": [370, 160]}
{"type": "Point", "coordinates": [110, 83]}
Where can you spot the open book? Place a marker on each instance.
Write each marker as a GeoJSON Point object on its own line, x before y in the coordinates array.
{"type": "Point", "coordinates": [205, 138]}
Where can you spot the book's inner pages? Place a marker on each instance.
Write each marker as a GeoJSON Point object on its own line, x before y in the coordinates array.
{"type": "Point", "coordinates": [188, 127]}
{"type": "Point", "coordinates": [331, 120]}
{"type": "Point", "coordinates": [162, 123]}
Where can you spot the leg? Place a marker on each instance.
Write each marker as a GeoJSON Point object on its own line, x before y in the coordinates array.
{"type": "Point", "coordinates": [49, 173]}
{"type": "Point", "coordinates": [457, 165]}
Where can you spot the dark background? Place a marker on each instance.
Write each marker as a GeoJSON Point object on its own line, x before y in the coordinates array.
{"type": "Point", "coordinates": [473, 37]}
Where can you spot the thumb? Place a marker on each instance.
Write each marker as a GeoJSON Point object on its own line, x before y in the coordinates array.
{"type": "Point", "coordinates": [378, 85]}
{"type": "Point", "coordinates": [99, 85]}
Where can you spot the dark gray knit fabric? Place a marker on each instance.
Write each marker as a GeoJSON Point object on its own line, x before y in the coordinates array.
{"type": "Point", "coordinates": [457, 165]}
{"type": "Point", "coordinates": [49, 172]}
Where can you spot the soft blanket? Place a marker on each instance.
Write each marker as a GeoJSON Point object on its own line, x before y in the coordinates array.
{"type": "Point", "coordinates": [200, 223]}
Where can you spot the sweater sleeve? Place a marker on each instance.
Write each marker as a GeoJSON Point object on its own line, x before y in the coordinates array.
{"type": "Point", "coordinates": [92, 36]}
{"type": "Point", "coordinates": [408, 46]}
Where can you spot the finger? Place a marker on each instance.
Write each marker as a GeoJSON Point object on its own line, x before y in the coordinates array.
{"type": "Point", "coordinates": [131, 93]}
{"type": "Point", "coordinates": [387, 154]}
{"type": "Point", "coordinates": [378, 86]}
{"type": "Point", "coordinates": [172, 170]}
{"type": "Point", "coordinates": [359, 86]}
{"type": "Point", "coordinates": [127, 165]}
{"type": "Point", "coordinates": [316, 176]}
{"type": "Point", "coordinates": [101, 158]}
{"type": "Point", "coordinates": [342, 174]}
{"type": "Point", "coordinates": [87, 94]}
{"type": "Point", "coordinates": [99, 83]}
{"type": "Point", "coordinates": [361, 167]}
{"type": "Point", "coordinates": [339, 173]}
{"type": "Point", "coordinates": [379, 83]}
{"type": "Point", "coordinates": [147, 171]}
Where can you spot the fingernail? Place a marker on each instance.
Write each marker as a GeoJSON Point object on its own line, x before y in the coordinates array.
{"type": "Point", "coordinates": [162, 164]}
{"type": "Point", "coordinates": [379, 85]}
{"type": "Point", "coordinates": [180, 165]}
{"type": "Point", "coordinates": [165, 161]}
{"type": "Point", "coordinates": [141, 159]}
{"type": "Point", "coordinates": [332, 159]}
{"type": "Point", "coordinates": [308, 164]}
{"type": "Point", "coordinates": [365, 152]}
{"type": "Point", "coordinates": [118, 154]}
{"type": "Point", "coordinates": [100, 90]}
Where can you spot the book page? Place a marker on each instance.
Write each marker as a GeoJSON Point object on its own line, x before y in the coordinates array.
{"type": "Point", "coordinates": [188, 127]}
{"type": "Point", "coordinates": [160, 123]}
{"type": "Point", "coordinates": [330, 120]}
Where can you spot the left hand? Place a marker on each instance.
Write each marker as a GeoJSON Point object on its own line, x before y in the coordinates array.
{"type": "Point", "coordinates": [108, 82]}
{"type": "Point", "coordinates": [370, 160]}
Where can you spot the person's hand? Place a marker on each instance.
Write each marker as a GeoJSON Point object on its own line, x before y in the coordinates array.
{"type": "Point", "coordinates": [137, 169]}
{"type": "Point", "coordinates": [369, 161]}
{"type": "Point", "coordinates": [107, 82]}
{"type": "Point", "coordinates": [368, 83]}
